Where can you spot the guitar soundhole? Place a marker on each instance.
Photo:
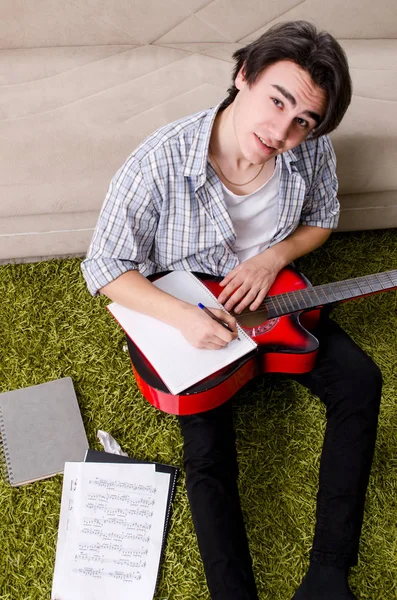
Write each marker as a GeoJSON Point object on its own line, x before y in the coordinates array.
{"type": "Point", "coordinates": [255, 324]}
{"type": "Point", "coordinates": [251, 319]}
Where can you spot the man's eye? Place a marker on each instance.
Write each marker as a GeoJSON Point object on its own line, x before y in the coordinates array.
{"type": "Point", "coordinates": [302, 122]}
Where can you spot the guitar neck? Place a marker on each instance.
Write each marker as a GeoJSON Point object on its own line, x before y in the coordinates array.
{"type": "Point", "coordinates": [330, 293]}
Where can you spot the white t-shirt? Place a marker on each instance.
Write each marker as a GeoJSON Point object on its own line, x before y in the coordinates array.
{"type": "Point", "coordinates": [254, 216]}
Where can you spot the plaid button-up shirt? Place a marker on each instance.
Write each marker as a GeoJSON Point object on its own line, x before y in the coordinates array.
{"type": "Point", "coordinates": [165, 209]}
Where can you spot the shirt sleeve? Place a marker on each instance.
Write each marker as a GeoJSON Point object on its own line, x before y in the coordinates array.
{"type": "Point", "coordinates": [125, 230]}
{"type": "Point", "coordinates": [321, 207]}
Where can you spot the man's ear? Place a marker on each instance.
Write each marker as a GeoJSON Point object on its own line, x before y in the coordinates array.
{"type": "Point", "coordinates": [240, 79]}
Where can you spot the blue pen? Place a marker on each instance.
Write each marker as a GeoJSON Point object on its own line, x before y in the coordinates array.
{"type": "Point", "coordinates": [211, 314]}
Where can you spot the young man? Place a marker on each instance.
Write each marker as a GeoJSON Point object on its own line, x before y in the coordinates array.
{"type": "Point", "coordinates": [240, 191]}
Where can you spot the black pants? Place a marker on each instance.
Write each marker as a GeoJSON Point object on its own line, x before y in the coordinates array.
{"type": "Point", "coordinates": [349, 384]}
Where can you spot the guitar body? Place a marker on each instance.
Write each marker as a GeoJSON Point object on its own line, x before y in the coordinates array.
{"type": "Point", "coordinates": [285, 345]}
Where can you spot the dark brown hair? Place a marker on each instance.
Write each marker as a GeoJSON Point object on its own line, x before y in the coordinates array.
{"type": "Point", "coordinates": [315, 51]}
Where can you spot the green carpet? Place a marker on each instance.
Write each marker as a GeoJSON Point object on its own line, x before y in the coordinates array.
{"type": "Point", "coordinates": [51, 328]}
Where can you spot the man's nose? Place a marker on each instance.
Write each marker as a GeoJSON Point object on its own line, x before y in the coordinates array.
{"type": "Point", "coordinates": [280, 130]}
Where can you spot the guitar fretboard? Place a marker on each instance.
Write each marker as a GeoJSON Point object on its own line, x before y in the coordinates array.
{"type": "Point", "coordinates": [330, 293]}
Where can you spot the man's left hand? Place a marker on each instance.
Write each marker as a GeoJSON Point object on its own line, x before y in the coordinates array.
{"type": "Point", "coordinates": [248, 283]}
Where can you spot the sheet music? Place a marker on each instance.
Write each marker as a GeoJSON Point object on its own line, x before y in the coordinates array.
{"type": "Point", "coordinates": [110, 531]}
{"type": "Point", "coordinates": [177, 362]}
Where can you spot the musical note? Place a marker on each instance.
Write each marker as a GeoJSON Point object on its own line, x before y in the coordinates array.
{"type": "Point", "coordinates": [115, 530]}
{"type": "Point", "coordinates": [135, 487]}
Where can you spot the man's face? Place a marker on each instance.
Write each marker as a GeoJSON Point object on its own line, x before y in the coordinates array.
{"type": "Point", "coordinates": [282, 107]}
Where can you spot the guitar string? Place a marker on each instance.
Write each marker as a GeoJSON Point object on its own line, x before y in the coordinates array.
{"type": "Point", "coordinates": [343, 288]}
{"type": "Point", "coordinates": [385, 280]}
{"type": "Point", "coordinates": [354, 286]}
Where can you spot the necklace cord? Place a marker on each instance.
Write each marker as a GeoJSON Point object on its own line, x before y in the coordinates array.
{"type": "Point", "coordinates": [232, 182]}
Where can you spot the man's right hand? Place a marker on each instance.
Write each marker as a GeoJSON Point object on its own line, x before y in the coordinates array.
{"type": "Point", "coordinates": [133, 290]}
{"type": "Point", "coordinates": [203, 332]}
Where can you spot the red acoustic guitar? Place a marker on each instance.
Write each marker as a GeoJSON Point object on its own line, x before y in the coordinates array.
{"type": "Point", "coordinates": [281, 327]}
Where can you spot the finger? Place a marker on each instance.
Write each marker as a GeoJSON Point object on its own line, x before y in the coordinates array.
{"type": "Point", "coordinates": [238, 295]}
{"type": "Point", "coordinates": [229, 320]}
{"type": "Point", "coordinates": [220, 338]}
{"type": "Point", "coordinates": [246, 301]}
{"type": "Point", "coordinates": [226, 279]}
{"type": "Point", "coordinates": [213, 341]}
{"type": "Point", "coordinates": [225, 317]}
{"type": "Point", "coordinates": [212, 346]}
{"type": "Point", "coordinates": [219, 333]}
{"type": "Point", "coordinates": [217, 329]}
{"type": "Point", "coordinates": [231, 287]}
{"type": "Point", "coordinates": [230, 276]}
{"type": "Point", "coordinates": [229, 330]}
{"type": "Point", "coordinates": [223, 335]}
{"type": "Point", "coordinates": [237, 286]}
{"type": "Point", "coordinates": [259, 299]}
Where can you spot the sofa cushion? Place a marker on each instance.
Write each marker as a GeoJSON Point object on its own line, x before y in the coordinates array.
{"type": "Point", "coordinates": [71, 116]}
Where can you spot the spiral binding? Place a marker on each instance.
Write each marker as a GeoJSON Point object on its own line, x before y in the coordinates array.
{"type": "Point", "coordinates": [4, 453]}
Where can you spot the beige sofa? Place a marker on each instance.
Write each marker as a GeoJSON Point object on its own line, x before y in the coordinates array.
{"type": "Point", "coordinates": [83, 83]}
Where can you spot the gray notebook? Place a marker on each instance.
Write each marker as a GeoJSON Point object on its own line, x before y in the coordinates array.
{"type": "Point", "coordinates": [41, 429]}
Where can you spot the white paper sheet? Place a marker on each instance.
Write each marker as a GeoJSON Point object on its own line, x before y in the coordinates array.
{"type": "Point", "coordinates": [178, 363]}
{"type": "Point", "coordinates": [110, 531]}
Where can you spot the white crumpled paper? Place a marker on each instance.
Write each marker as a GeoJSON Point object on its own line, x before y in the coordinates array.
{"type": "Point", "coordinates": [109, 443]}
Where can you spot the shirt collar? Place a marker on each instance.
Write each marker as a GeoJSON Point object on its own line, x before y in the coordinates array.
{"type": "Point", "coordinates": [196, 162]}
{"type": "Point", "coordinates": [289, 159]}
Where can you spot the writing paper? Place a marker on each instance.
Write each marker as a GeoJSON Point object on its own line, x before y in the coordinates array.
{"type": "Point", "coordinates": [177, 362]}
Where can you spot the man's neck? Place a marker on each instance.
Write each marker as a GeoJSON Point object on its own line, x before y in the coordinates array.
{"type": "Point", "coordinates": [229, 162]}
{"type": "Point", "coordinates": [224, 144]}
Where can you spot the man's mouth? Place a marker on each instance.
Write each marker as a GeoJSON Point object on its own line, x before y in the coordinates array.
{"type": "Point", "coordinates": [265, 143]}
